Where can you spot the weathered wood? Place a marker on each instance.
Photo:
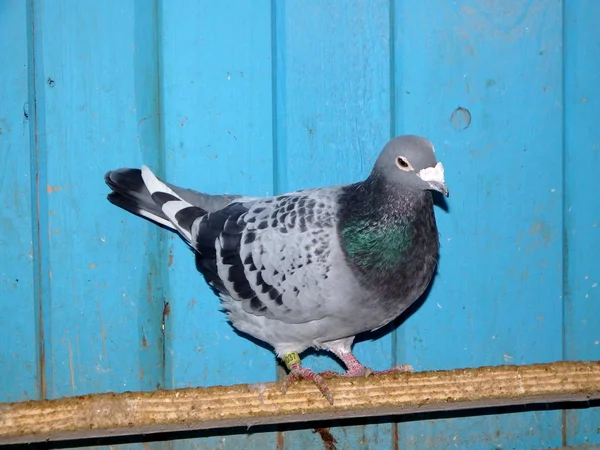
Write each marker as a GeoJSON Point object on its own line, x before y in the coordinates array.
{"type": "Point", "coordinates": [133, 413]}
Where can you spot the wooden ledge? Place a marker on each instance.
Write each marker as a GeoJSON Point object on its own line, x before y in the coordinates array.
{"type": "Point", "coordinates": [133, 413]}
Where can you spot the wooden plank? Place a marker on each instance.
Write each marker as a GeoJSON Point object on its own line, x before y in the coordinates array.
{"type": "Point", "coordinates": [582, 203]}
{"type": "Point", "coordinates": [216, 109]}
{"type": "Point", "coordinates": [17, 305]}
{"type": "Point", "coordinates": [497, 295]}
{"type": "Point", "coordinates": [96, 110]}
{"type": "Point", "coordinates": [217, 116]}
{"type": "Point", "coordinates": [333, 97]}
{"type": "Point", "coordinates": [259, 404]}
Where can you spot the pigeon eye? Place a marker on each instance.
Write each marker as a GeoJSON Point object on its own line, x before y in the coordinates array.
{"type": "Point", "coordinates": [403, 164]}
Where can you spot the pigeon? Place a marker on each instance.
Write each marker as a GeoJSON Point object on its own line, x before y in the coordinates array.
{"type": "Point", "coordinates": [311, 268]}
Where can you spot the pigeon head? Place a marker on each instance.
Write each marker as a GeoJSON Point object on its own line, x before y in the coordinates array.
{"type": "Point", "coordinates": [409, 161]}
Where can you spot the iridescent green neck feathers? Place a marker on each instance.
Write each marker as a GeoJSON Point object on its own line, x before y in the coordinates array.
{"type": "Point", "coordinates": [375, 245]}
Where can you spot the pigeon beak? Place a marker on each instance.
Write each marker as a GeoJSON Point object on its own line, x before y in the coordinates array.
{"type": "Point", "coordinates": [440, 187]}
{"type": "Point", "coordinates": [434, 176]}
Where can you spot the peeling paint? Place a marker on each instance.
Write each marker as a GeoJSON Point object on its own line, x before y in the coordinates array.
{"type": "Point", "coordinates": [50, 189]}
{"type": "Point", "coordinates": [103, 335]}
{"type": "Point", "coordinates": [71, 366]}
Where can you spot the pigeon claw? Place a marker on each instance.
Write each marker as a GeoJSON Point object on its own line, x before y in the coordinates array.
{"type": "Point", "coordinates": [363, 371]}
{"type": "Point", "coordinates": [400, 368]}
{"type": "Point", "coordinates": [298, 372]}
{"type": "Point", "coordinates": [355, 371]}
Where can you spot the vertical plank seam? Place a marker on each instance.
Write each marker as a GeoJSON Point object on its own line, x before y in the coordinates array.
{"type": "Point", "coordinates": [279, 155]}
{"type": "Point", "coordinates": [163, 240]}
{"type": "Point", "coordinates": [564, 199]}
{"type": "Point", "coordinates": [395, 434]}
{"type": "Point", "coordinates": [39, 208]}
{"type": "Point", "coordinates": [280, 183]}
{"type": "Point", "coordinates": [152, 314]}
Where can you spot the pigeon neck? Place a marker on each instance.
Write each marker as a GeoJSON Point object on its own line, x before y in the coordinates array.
{"type": "Point", "coordinates": [377, 224]}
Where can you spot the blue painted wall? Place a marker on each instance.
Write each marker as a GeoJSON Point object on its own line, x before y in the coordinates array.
{"type": "Point", "coordinates": [261, 97]}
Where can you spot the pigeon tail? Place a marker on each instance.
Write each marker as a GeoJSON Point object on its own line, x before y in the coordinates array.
{"type": "Point", "coordinates": [180, 214]}
{"type": "Point", "coordinates": [140, 192]}
{"type": "Point", "coordinates": [130, 193]}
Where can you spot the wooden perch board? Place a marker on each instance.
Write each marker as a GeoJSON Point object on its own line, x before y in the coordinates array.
{"type": "Point", "coordinates": [132, 413]}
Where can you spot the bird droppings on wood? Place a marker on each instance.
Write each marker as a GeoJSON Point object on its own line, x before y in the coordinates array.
{"type": "Point", "coordinates": [133, 413]}
{"type": "Point", "coordinates": [258, 388]}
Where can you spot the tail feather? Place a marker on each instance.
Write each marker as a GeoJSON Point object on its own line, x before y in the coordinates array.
{"type": "Point", "coordinates": [178, 211]}
{"type": "Point", "coordinates": [142, 193]}
{"type": "Point", "coordinates": [130, 193]}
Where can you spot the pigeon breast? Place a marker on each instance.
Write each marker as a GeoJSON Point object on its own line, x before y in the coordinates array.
{"type": "Point", "coordinates": [390, 240]}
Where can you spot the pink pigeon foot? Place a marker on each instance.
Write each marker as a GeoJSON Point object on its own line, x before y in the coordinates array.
{"type": "Point", "coordinates": [356, 369]}
{"type": "Point", "coordinates": [298, 372]}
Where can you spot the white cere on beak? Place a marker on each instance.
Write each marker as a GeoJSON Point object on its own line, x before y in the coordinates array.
{"type": "Point", "coordinates": [435, 174]}
{"type": "Point", "coordinates": [435, 177]}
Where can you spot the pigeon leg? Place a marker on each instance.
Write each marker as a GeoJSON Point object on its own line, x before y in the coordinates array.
{"type": "Point", "coordinates": [297, 372]}
{"type": "Point", "coordinates": [356, 369]}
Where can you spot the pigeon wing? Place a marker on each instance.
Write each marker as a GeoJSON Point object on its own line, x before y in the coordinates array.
{"type": "Point", "coordinates": [272, 254]}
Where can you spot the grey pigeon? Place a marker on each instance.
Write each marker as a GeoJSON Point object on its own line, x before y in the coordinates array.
{"type": "Point", "coordinates": [310, 268]}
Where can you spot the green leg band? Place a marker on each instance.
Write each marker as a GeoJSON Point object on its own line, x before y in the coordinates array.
{"type": "Point", "coordinates": [290, 359]}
